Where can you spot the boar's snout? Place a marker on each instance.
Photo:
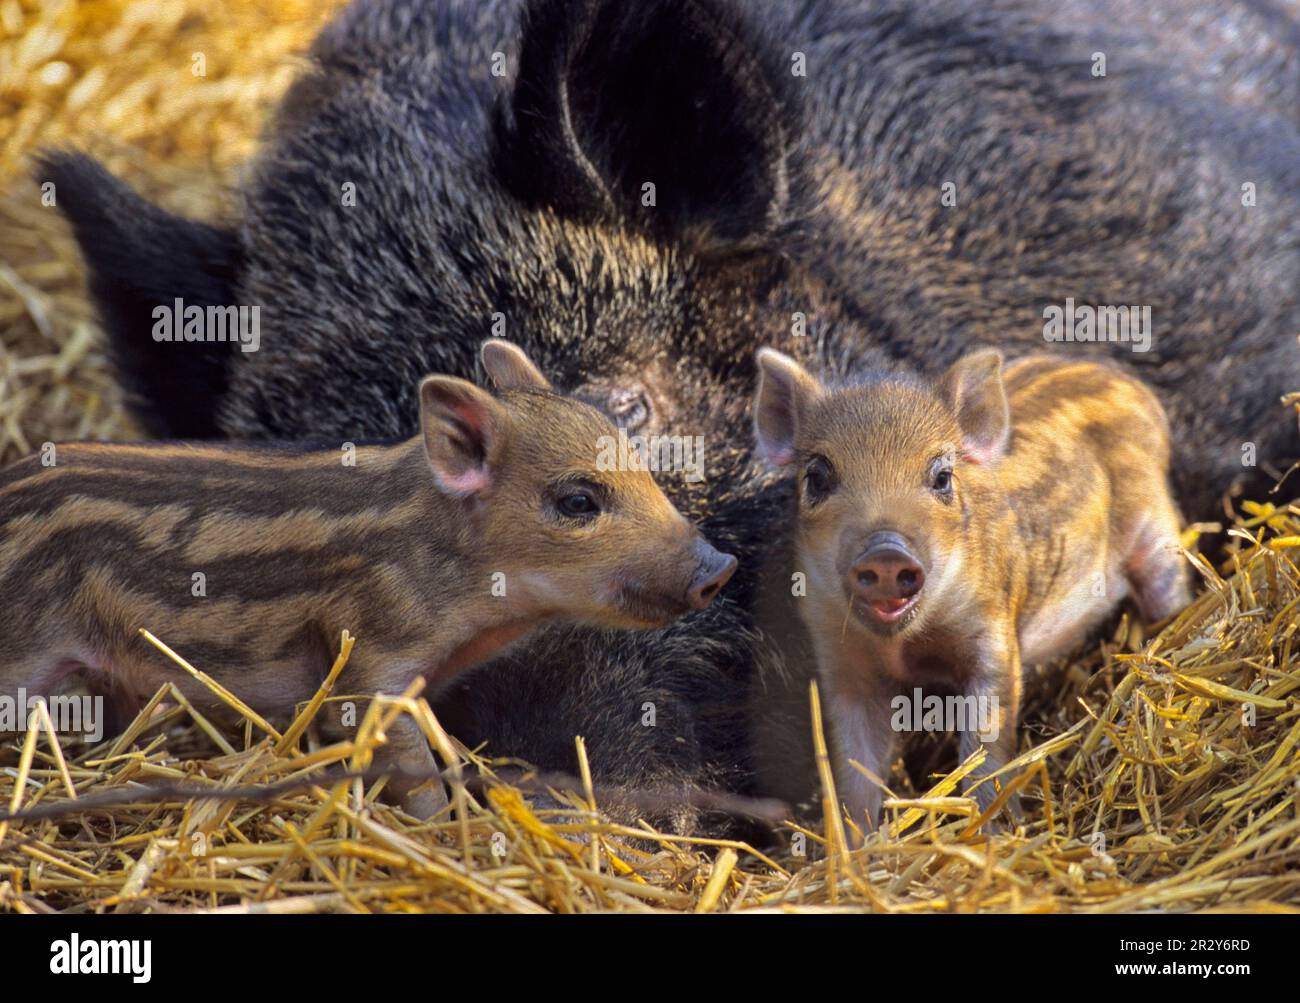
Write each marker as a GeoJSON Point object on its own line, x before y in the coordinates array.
{"type": "Point", "coordinates": [712, 570]}
{"type": "Point", "coordinates": [887, 576]}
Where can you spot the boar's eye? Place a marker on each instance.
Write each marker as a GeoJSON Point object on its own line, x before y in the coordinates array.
{"type": "Point", "coordinates": [941, 480]}
{"type": "Point", "coordinates": [818, 479]}
{"type": "Point", "coordinates": [577, 503]}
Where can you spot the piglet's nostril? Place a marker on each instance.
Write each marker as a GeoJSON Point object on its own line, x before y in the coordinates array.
{"type": "Point", "coordinates": [887, 571]}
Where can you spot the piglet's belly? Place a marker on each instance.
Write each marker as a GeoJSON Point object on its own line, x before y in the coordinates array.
{"type": "Point", "coordinates": [267, 685]}
{"type": "Point", "coordinates": [1062, 627]}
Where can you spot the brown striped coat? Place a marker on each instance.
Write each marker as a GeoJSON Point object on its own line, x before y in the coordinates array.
{"type": "Point", "coordinates": [436, 553]}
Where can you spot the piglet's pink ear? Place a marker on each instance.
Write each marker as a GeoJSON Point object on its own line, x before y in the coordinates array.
{"type": "Point", "coordinates": [972, 387]}
{"type": "Point", "coordinates": [463, 429]}
{"type": "Point", "coordinates": [785, 389]}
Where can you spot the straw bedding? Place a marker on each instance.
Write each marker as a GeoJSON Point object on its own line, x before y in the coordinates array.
{"type": "Point", "coordinates": [1157, 773]}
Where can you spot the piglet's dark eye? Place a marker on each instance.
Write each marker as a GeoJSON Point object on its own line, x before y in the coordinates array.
{"type": "Point", "coordinates": [818, 479]}
{"type": "Point", "coordinates": [577, 505]}
{"type": "Point", "coordinates": [941, 482]}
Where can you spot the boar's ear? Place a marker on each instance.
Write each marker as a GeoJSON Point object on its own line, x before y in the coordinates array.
{"type": "Point", "coordinates": [464, 429]}
{"type": "Point", "coordinates": [785, 389]}
{"type": "Point", "coordinates": [972, 387]}
{"type": "Point", "coordinates": [684, 95]}
{"type": "Point", "coordinates": [509, 368]}
{"type": "Point", "coordinates": [141, 258]}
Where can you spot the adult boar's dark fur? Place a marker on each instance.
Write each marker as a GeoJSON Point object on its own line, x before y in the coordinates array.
{"type": "Point", "coordinates": [776, 194]}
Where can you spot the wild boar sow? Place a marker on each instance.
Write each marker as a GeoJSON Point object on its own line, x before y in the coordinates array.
{"type": "Point", "coordinates": [952, 534]}
{"type": "Point", "coordinates": [641, 193]}
{"type": "Point", "coordinates": [438, 552]}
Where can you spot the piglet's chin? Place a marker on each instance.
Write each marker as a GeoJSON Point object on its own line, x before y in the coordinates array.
{"type": "Point", "coordinates": [886, 616]}
{"type": "Point", "coordinates": [635, 605]}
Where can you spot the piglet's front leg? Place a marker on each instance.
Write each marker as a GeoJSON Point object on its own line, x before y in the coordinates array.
{"type": "Point", "coordinates": [860, 715]}
{"type": "Point", "coordinates": [992, 714]}
{"type": "Point", "coordinates": [414, 783]}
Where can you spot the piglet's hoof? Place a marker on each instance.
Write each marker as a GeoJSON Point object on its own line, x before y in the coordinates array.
{"type": "Point", "coordinates": [1006, 820]}
{"type": "Point", "coordinates": [425, 801]}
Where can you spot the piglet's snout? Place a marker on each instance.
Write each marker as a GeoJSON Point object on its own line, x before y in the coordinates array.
{"type": "Point", "coordinates": [887, 572]}
{"type": "Point", "coordinates": [712, 571]}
